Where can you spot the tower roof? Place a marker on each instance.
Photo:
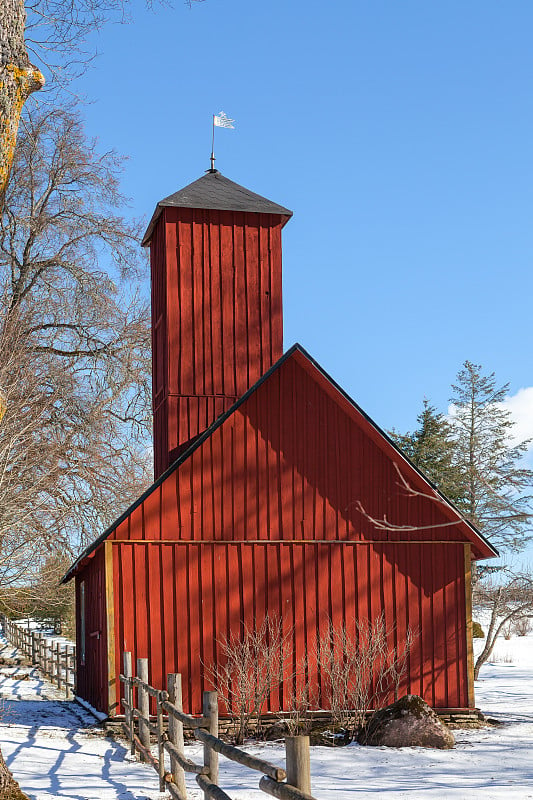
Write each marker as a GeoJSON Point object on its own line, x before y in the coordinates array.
{"type": "Point", "coordinates": [214, 191]}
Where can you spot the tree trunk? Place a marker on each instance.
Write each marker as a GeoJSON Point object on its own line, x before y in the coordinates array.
{"type": "Point", "coordinates": [9, 788]}
{"type": "Point", "coordinates": [18, 79]}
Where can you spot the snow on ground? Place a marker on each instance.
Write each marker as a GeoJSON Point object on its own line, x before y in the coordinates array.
{"type": "Point", "coordinates": [55, 750]}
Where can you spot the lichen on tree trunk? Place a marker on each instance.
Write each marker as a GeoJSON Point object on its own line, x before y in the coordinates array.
{"type": "Point", "coordinates": [18, 79]}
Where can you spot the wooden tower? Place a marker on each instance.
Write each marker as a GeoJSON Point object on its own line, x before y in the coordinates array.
{"type": "Point", "coordinates": [217, 321]}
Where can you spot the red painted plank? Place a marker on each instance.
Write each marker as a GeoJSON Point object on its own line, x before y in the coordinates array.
{"type": "Point", "coordinates": [186, 298]}
{"type": "Point", "coordinates": [242, 334]}
{"type": "Point", "coordinates": [253, 301]}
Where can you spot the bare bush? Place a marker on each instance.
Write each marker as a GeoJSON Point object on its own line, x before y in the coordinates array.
{"type": "Point", "coordinates": [301, 700]}
{"type": "Point", "coordinates": [361, 666]}
{"type": "Point", "coordinates": [252, 666]}
{"type": "Point", "coordinates": [522, 627]}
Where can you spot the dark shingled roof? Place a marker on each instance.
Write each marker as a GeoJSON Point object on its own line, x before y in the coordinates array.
{"type": "Point", "coordinates": [214, 191]}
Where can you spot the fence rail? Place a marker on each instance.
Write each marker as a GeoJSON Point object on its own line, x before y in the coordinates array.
{"type": "Point", "coordinates": [292, 783]}
{"type": "Point", "coordinates": [56, 660]}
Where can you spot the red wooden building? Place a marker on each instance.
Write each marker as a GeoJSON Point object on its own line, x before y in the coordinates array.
{"type": "Point", "coordinates": [262, 466]}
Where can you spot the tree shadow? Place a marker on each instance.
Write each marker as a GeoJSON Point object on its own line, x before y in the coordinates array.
{"type": "Point", "coordinates": [56, 735]}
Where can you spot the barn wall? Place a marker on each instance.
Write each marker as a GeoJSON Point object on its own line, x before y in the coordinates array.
{"type": "Point", "coordinates": [92, 677]}
{"type": "Point", "coordinates": [291, 463]}
{"type": "Point", "coordinates": [174, 601]}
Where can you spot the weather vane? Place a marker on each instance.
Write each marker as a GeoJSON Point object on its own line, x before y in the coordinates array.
{"type": "Point", "coordinates": [220, 120]}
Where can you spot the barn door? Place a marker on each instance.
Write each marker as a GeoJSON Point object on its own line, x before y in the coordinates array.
{"type": "Point", "coordinates": [91, 634]}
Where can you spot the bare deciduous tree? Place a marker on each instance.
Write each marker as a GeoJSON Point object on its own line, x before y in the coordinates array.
{"type": "Point", "coordinates": [75, 344]}
{"type": "Point", "coordinates": [18, 79]}
{"type": "Point", "coordinates": [508, 599]}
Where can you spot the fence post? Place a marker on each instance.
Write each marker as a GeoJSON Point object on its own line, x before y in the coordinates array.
{"type": "Point", "coordinates": [210, 711]}
{"type": "Point", "coordinates": [160, 742]}
{"type": "Point", "coordinates": [298, 762]}
{"type": "Point", "coordinates": [67, 672]}
{"type": "Point", "coordinates": [74, 670]}
{"type": "Point", "coordinates": [175, 731]}
{"type": "Point", "coordinates": [144, 705]}
{"type": "Point", "coordinates": [44, 663]}
{"type": "Point", "coordinates": [128, 693]}
{"type": "Point", "coordinates": [59, 665]}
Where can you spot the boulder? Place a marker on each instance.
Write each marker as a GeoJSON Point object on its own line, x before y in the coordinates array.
{"type": "Point", "coordinates": [409, 722]}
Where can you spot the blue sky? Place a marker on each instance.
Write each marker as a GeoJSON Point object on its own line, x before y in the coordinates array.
{"type": "Point", "coordinates": [399, 133]}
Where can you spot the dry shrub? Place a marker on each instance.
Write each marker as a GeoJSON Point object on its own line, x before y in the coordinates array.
{"type": "Point", "coordinates": [252, 666]}
{"type": "Point", "coordinates": [522, 627]}
{"type": "Point", "coordinates": [361, 667]}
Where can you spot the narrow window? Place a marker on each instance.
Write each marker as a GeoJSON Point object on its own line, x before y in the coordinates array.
{"type": "Point", "coordinates": [82, 623]}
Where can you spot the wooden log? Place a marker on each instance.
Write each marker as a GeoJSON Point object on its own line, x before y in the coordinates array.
{"type": "Point", "coordinates": [210, 789]}
{"type": "Point", "coordinates": [140, 683]}
{"type": "Point", "coordinates": [282, 790]}
{"type": "Point", "coordinates": [175, 793]}
{"type": "Point", "coordinates": [185, 763]}
{"type": "Point", "coordinates": [175, 732]}
{"type": "Point", "coordinates": [210, 711]}
{"type": "Point", "coordinates": [186, 719]}
{"type": "Point", "coordinates": [143, 703]}
{"type": "Point", "coordinates": [146, 753]}
{"type": "Point", "coordinates": [298, 762]}
{"type": "Point", "coordinates": [234, 754]}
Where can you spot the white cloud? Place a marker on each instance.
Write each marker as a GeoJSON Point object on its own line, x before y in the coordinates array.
{"type": "Point", "coordinates": [521, 407]}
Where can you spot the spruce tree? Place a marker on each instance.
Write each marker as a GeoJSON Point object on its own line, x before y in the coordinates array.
{"type": "Point", "coordinates": [496, 486]}
{"type": "Point", "coordinates": [430, 447]}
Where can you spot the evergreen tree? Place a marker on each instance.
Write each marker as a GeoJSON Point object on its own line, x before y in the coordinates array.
{"type": "Point", "coordinates": [496, 486]}
{"type": "Point", "coordinates": [470, 456]}
{"type": "Point", "coordinates": [431, 448]}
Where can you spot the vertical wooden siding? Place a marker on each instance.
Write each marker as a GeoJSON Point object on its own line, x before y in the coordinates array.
{"type": "Point", "coordinates": [176, 600]}
{"type": "Point", "coordinates": [290, 463]}
{"type": "Point", "coordinates": [216, 316]}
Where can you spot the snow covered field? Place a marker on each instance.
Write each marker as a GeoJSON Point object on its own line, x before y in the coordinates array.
{"type": "Point", "coordinates": [55, 751]}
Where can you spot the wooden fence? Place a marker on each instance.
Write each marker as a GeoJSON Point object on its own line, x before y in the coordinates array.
{"type": "Point", "coordinates": [292, 783]}
{"type": "Point", "coordinates": [55, 660]}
